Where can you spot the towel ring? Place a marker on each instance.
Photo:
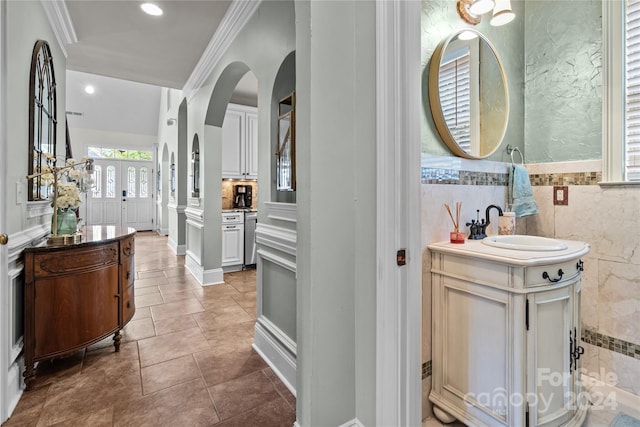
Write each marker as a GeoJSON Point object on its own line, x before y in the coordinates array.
{"type": "Point", "coordinates": [511, 150]}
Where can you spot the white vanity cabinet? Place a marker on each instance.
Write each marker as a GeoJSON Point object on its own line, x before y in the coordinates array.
{"type": "Point", "coordinates": [240, 142]}
{"type": "Point", "coordinates": [506, 335]}
{"type": "Point", "coordinates": [232, 240]}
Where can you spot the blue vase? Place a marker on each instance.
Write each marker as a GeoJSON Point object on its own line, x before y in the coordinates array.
{"type": "Point", "coordinates": [67, 222]}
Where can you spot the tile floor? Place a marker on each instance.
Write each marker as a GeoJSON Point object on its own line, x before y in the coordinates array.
{"type": "Point", "coordinates": [596, 417]}
{"type": "Point", "coordinates": [185, 359]}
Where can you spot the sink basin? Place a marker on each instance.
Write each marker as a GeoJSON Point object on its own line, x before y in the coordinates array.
{"type": "Point", "coordinates": [524, 243]}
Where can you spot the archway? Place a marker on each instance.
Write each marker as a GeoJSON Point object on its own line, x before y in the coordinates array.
{"type": "Point", "coordinates": [205, 260]}
{"type": "Point", "coordinates": [284, 85]}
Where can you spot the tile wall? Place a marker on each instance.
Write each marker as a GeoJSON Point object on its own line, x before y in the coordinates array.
{"type": "Point", "coordinates": [608, 218]}
{"type": "Point", "coordinates": [450, 180]}
{"type": "Point", "coordinates": [605, 217]}
{"type": "Point", "coordinates": [227, 193]}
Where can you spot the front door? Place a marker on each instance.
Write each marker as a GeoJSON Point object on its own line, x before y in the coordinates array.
{"type": "Point", "coordinates": [122, 194]}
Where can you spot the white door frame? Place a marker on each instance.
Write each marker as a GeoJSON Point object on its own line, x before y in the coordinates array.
{"type": "Point", "coordinates": [398, 288]}
{"type": "Point", "coordinates": [4, 285]}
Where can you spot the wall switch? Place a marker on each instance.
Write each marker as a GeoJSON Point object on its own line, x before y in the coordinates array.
{"type": "Point", "coordinates": [19, 193]}
{"type": "Point", "coordinates": [560, 195]}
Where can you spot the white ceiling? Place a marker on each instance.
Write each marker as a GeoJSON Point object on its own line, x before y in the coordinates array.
{"type": "Point", "coordinates": [117, 39]}
{"type": "Point", "coordinates": [128, 55]}
{"type": "Point", "coordinates": [115, 106]}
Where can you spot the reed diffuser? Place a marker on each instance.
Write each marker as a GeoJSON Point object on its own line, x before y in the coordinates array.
{"type": "Point", "coordinates": [456, 236]}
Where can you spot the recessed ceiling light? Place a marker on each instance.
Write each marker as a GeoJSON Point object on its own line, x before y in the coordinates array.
{"type": "Point", "coordinates": [89, 89]}
{"type": "Point", "coordinates": [151, 9]}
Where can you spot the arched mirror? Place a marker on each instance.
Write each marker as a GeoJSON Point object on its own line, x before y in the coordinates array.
{"type": "Point", "coordinates": [468, 94]}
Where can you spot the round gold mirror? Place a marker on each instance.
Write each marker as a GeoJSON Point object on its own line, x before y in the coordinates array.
{"type": "Point", "coordinates": [468, 94]}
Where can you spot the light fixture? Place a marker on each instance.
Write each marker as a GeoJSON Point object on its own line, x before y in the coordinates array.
{"type": "Point", "coordinates": [502, 13]}
{"type": "Point", "coordinates": [480, 7]}
{"type": "Point", "coordinates": [471, 11]}
{"type": "Point", "coordinates": [467, 35]}
{"type": "Point", "coordinates": [89, 89]}
{"type": "Point", "coordinates": [151, 9]}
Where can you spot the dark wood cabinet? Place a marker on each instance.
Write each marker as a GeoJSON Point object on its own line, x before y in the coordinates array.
{"type": "Point", "coordinates": [78, 294]}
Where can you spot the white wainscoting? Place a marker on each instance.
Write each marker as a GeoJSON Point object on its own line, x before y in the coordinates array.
{"type": "Point", "coordinates": [275, 245]}
{"type": "Point", "coordinates": [12, 314]}
{"type": "Point", "coordinates": [278, 350]}
{"type": "Point", "coordinates": [282, 211]}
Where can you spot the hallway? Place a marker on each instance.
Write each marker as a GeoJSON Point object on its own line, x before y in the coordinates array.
{"type": "Point", "coordinates": [185, 359]}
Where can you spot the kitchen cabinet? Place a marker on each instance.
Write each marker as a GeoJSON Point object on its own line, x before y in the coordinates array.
{"type": "Point", "coordinates": [506, 335]}
{"type": "Point", "coordinates": [232, 240]}
{"type": "Point", "coordinates": [240, 143]}
{"type": "Point", "coordinates": [77, 294]}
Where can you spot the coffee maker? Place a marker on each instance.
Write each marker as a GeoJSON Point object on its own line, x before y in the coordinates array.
{"type": "Point", "coordinates": [242, 198]}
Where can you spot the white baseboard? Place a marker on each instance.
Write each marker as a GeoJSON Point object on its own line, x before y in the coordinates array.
{"type": "Point", "coordinates": [204, 277]}
{"type": "Point", "coordinates": [276, 353]}
{"type": "Point", "coordinates": [352, 423]}
{"type": "Point", "coordinates": [14, 385]}
{"type": "Point", "coordinates": [599, 389]}
{"type": "Point", "coordinates": [163, 231]}
{"type": "Point", "coordinates": [175, 247]}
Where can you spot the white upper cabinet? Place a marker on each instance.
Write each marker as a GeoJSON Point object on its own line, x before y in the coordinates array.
{"type": "Point", "coordinates": [240, 143]}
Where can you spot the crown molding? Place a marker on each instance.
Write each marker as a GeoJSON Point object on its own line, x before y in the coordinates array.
{"type": "Point", "coordinates": [61, 24]}
{"type": "Point", "coordinates": [239, 13]}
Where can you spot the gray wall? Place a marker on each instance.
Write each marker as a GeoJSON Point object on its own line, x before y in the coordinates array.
{"type": "Point", "coordinates": [563, 95]}
{"type": "Point", "coordinates": [26, 23]}
{"type": "Point", "coordinates": [439, 20]}
{"type": "Point", "coordinates": [336, 211]}
{"type": "Point", "coordinates": [279, 297]}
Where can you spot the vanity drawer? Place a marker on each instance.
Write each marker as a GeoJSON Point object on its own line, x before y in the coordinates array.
{"type": "Point", "coordinates": [128, 304]}
{"type": "Point", "coordinates": [551, 274]}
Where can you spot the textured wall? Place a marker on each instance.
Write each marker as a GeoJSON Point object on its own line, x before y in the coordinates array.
{"type": "Point", "coordinates": [563, 84]}
{"type": "Point", "coordinates": [440, 19]}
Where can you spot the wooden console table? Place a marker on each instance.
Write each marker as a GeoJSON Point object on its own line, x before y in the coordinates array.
{"type": "Point", "coordinates": [76, 295]}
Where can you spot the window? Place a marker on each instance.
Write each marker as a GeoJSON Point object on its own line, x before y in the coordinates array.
{"type": "Point", "coordinates": [632, 91]}
{"type": "Point", "coordinates": [111, 182]}
{"type": "Point", "coordinates": [144, 183]}
{"type": "Point", "coordinates": [621, 91]}
{"type": "Point", "coordinates": [458, 88]}
{"type": "Point", "coordinates": [97, 179]}
{"type": "Point", "coordinates": [131, 181]}
{"type": "Point", "coordinates": [118, 153]}
{"type": "Point", "coordinates": [42, 118]}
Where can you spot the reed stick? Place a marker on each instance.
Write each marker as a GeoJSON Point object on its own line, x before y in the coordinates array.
{"type": "Point", "coordinates": [456, 221]}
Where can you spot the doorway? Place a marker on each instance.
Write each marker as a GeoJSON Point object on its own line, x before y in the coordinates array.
{"type": "Point", "coordinates": [122, 194]}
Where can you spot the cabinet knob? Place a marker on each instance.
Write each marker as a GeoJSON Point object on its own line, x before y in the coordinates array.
{"type": "Point", "coordinates": [128, 275]}
{"type": "Point", "coordinates": [4, 239]}
{"type": "Point", "coordinates": [128, 304]}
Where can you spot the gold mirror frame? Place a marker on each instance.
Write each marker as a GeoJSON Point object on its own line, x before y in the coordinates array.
{"type": "Point", "coordinates": [435, 102]}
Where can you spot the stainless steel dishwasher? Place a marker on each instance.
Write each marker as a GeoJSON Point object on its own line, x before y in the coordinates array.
{"type": "Point", "coordinates": [250, 219]}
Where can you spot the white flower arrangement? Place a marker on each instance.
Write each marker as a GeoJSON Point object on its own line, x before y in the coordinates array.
{"type": "Point", "coordinates": [69, 181]}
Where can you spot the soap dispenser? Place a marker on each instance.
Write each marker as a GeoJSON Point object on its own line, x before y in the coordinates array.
{"type": "Point", "coordinates": [507, 223]}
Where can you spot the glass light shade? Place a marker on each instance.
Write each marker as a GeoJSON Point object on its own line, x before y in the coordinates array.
{"type": "Point", "coordinates": [467, 35]}
{"type": "Point", "coordinates": [480, 7]}
{"type": "Point", "coordinates": [502, 13]}
{"type": "Point", "coordinates": [151, 9]}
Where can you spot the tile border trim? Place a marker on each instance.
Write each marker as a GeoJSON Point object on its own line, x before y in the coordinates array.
{"type": "Point", "coordinates": [464, 177]}
{"type": "Point", "coordinates": [617, 345]}
{"type": "Point", "coordinates": [426, 369]}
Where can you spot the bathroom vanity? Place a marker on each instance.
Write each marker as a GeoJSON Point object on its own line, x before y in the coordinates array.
{"type": "Point", "coordinates": [506, 333]}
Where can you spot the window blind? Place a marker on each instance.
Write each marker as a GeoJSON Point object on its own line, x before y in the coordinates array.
{"type": "Point", "coordinates": [455, 97]}
{"type": "Point", "coordinates": [632, 91]}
